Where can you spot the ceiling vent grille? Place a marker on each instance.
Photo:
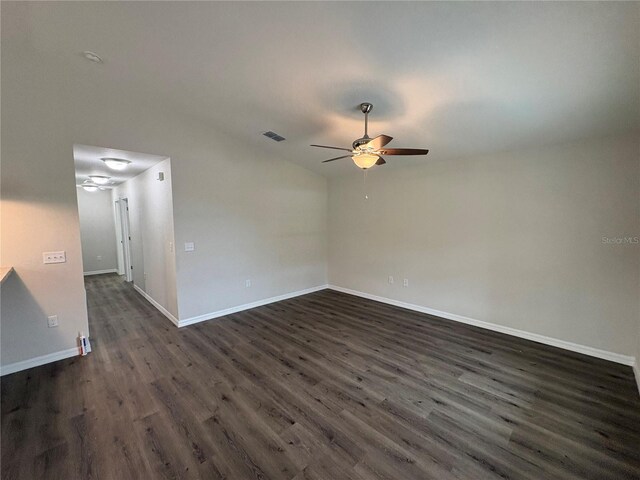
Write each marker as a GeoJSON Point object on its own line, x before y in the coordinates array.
{"type": "Point", "coordinates": [273, 136]}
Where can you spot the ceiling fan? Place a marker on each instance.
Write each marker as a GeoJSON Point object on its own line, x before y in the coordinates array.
{"type": "Point", "coordinates": [367, 152]}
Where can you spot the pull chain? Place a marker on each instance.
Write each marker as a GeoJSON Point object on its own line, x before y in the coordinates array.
{"type": "Point", "coordinates": [364, 185]}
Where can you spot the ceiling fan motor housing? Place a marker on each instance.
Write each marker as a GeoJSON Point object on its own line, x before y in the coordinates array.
{"type": "Point", "coordinates": [360, 141]}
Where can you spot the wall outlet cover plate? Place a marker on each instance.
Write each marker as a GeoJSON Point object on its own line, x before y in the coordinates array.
{"type": "Point", "coordinates": [54, 257]}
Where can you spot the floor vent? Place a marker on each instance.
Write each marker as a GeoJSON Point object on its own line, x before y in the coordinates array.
{"type": "Point", "coordinates": [273, 136]}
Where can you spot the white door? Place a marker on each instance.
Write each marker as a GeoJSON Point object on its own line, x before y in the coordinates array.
{"type": "Point", "coordinates": [119, 238]}
{"type": "Point", "coordinates": [126, 239]}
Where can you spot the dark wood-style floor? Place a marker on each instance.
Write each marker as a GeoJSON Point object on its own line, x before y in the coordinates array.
{"type": "Point", "coordinates": [324, 386]}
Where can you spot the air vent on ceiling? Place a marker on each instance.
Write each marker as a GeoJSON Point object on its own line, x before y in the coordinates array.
{"type": "Point", "coordinates": [273, 136]}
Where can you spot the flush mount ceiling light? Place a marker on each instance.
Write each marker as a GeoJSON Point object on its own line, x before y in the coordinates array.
{"type": "Point", "coordinates": [366, 151]}
{"type": "Point", "coordinates": [92, 57]}
{"type": "Point", "coordinates": [90, 187]}
{"type": "Point", "coordinates": [99, 179]}
{"type": "Point", "coordinates": [116, 163]}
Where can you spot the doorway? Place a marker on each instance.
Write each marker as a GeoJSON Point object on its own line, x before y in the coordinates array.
{"type": "Point", "coordinates": [125, 211]}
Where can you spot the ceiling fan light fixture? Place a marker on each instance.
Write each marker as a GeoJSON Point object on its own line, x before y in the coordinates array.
{"type": "Point", "coordinates": [367, 151]}
{"type": "Point", "coordinates": [99, 179]}
{"type": "Point", "coordinates": [365, 160]}
{"type": "Point", "coordinates": [116, 163]}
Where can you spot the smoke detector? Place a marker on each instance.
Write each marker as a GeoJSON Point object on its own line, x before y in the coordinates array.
{"type": "Point", "coordinates": [92, 57]}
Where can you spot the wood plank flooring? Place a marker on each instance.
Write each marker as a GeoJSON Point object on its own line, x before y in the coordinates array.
{"type": "Point", "coordinates": [324, 386]}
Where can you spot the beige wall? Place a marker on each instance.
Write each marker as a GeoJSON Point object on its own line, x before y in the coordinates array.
{"type": "Point", "coordinates": [250, 214]}
{"type": "Point", "coordinates": [152, 236]}
{"type": "Point", "coordinates": [32, 225]}
{"type": "Point", "coordinates": [636, 367]}
{"type": "Point", "coordinates": [260, 220]}
{"type": "Point", "coordinates": [513, 239]}
{"type": "Point", "coordinates": [97, 230]}
{"type": "Point", "coordinates": [39, 213]}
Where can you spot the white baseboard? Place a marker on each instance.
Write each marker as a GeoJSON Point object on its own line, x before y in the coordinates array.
{"type": "Point", "coordinates": [162, 310]}
{"type": "Point", "coordinates": [247, 306]}
{"type": "Point", "coordinates": [636, 371]}
{"type": "Point", "coordinates": [574, 347]}
{"type": "Point", "coordinates": [37, 361]}
{"type": "Point", "coordinates": [100, 272]}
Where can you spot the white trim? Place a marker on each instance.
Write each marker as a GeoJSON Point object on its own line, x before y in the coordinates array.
{"type": "Point", "coordinates": [162, 310]}
{"type": "Point", "coordinates": [574, 347]}
{"type": "Point", "coordinates": [100, 272]}
{"type": "Point", "coordinates": [636, 371]}
{"type": "Point", "coordinates": [37, 361]}
{"type": "Point", "coordinates": [247, 306]}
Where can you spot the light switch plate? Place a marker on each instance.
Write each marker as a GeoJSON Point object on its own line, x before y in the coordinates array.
{"type": "Point", "coordinates": [54, 257]}
{"type": "Point", "coordinates": [189, 247]}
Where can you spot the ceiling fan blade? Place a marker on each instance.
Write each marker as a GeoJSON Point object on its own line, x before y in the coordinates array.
{"type": "Point", "coordinates": [337, 158]}
{"type": "Point", "coordinates": [380, 161]}
{"type": "Point", "coordinates": [334, 148]}
{"type": "Point", "coordinates": [379, 142]}
{"type": "Point", "coordinates": [403, 151]}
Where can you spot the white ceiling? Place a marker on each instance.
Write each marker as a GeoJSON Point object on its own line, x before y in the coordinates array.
{"type": "Point", "coordinates": [458, 78]}
{"type": "Point", "coordinates": [88, 162]}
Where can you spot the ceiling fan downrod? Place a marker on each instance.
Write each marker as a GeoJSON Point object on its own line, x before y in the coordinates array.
{"type": "Point", "coordinates": [366, 108]}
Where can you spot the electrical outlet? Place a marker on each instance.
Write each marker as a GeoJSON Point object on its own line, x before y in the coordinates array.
{"type": "Point", "coordinates": [52, 321]}
{"type": "Point", "coordinates": [99, 258]}
{"type": "Point", "coordinates": [189, 247]}
{"type": "Point", "coordinates": [54, 257]}
{"type": "Point", "coordinates": [247, 283]}
{"type": "Point", "coordinates": [406, 282]}
{"type": "Point", "coordinates": [390, 280]}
